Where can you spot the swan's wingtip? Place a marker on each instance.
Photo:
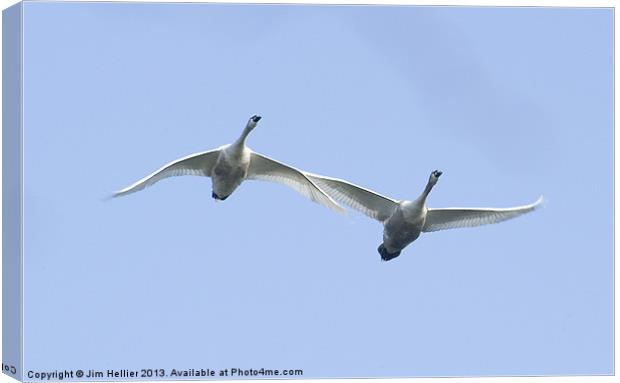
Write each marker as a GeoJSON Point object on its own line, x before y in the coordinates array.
{"type": "Point", "coordinates": [541, 201]}
{"type": "Point", "coordinates": [109, 197]}
{"type": "Point", "coordinates": [116, 194]}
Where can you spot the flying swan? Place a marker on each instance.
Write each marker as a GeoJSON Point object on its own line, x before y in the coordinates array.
{"type": "Point", "coordinates": [229, 165]}
{"type": "Point", "coordinates": [403, 221]}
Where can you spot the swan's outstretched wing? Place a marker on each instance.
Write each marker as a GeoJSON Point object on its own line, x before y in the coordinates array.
{"type": "Point", "coordinates": [267, 169]}
{"type": "Point", "coordinates": [198, 164]}
{"type": "Point", "coordinates": [363, 200]}
{"type": "Point", "coordinates": [451, 218]}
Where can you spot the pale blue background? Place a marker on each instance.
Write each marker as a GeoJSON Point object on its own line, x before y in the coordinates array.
{"type": "Point", "coordinates": [510, 103]}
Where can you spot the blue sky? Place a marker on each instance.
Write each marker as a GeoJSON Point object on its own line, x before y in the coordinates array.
{"type": "Point", "coordinates": [509, 103]}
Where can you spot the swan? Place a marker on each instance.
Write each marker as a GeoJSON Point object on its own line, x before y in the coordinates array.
{"type": "Point", "coordinates": [229, 165]}
{"type": "Point", "coordinates": [403, 221]}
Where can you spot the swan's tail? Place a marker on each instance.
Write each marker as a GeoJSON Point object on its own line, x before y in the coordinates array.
{"type": "Point", "coordinates": [386, 255]}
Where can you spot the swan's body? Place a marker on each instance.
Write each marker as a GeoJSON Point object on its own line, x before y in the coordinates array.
{"type": "Point", "coordinates": [404, 221]}
{"type": "Point", "coordinates": [229, 165]}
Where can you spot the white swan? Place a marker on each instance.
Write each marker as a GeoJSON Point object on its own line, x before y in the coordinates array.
{"type": "Point", "coordinates": [403, 221]}
{"type": "Point", "coordinates": [229, 165]}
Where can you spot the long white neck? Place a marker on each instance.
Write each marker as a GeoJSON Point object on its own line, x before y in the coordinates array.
{"type": "Point", "coordinates": [427, 189]}
{"type": "Point", "coordinates": [240, 143]}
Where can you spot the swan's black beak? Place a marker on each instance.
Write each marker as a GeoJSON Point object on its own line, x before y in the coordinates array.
{"type": "Point", "coordinates": [256, 118]}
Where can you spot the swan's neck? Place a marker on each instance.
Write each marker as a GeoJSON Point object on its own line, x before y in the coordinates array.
{"type": "Point", "coordinates": [427, 189]}
{"type": "Point", "coordinates": [240, 143]}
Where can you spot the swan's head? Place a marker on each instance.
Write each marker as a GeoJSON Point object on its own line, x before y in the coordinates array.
{"type": "Point", "coordinates": [435, 174]}
{"type": "Point", "coordinates": [253, 121]}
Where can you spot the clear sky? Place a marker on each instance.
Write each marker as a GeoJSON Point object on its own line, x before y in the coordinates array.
{"type": "Point", "coordinates": [509, 103]}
